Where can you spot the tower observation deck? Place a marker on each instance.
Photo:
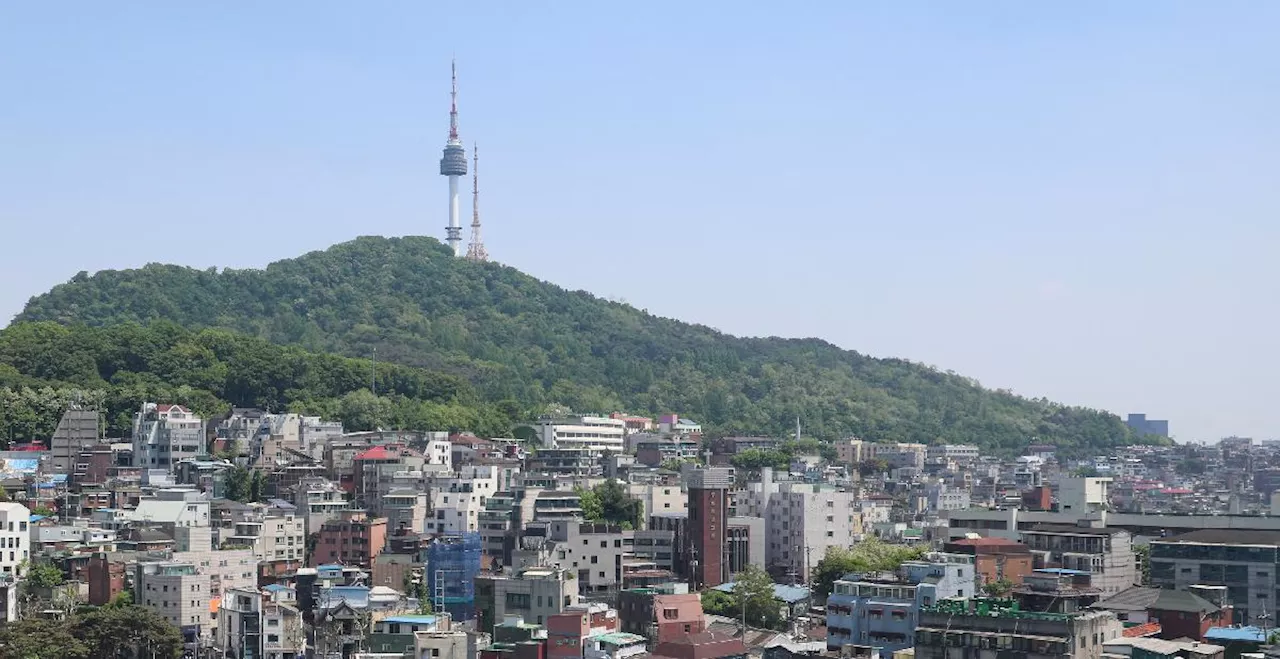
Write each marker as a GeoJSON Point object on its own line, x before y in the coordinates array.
{"type": "Point", "coordinates": [454, 164]}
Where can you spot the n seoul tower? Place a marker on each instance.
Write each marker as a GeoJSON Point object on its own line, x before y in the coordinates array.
{"type": "Point", "coordinates": [454, 164]}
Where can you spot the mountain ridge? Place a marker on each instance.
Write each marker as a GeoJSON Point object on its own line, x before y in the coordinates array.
{"type": "Point", "coordinates": [515, 337]}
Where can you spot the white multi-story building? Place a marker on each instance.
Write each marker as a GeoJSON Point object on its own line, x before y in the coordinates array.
{"type": "Point", "coordinates": [457, 500]}
{"type": "Point", "coordinates": [164, 434]}
{"type": "Point", "coordinates": [227, 568]}
{"type": "Point", "coordinates": [15, 537]}
{"type": "Point", "coordinates": [659, 499]}
{"type": "Point", "coordinates": [957, 452]}
{"type": "Point", "coordinates": [273, 539]}
{"type": "Point", "coordinates": [801, 520]}
{"type": "Point", "coordinates": [598, 433]}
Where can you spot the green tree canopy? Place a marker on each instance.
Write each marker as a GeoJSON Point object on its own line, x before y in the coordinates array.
{"type": "Point", "coordinates": [480, 332]}
{"type": "Point", "coordinates": [870, 555]}
{"type": "Point", "coordinates": [753, 589]}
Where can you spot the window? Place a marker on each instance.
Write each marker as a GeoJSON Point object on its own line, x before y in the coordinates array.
{"type": "Point", "coordinates": [273, 638]}
{"type": "Point", "coordinates": [669, 614]}
{"type": "Point", "coordinates": [593, 560]}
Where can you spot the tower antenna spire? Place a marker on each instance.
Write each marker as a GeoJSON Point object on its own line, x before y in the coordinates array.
{"type": "Point", "coordinates": [453, 102]}
{"type": "Point", "coordinates": [476, 250]}
{"type": "Point", "coordinates": [453, 164]}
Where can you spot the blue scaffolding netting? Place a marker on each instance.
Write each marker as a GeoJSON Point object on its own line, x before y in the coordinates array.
{"type": "Point", "coordinates": [452, 564]}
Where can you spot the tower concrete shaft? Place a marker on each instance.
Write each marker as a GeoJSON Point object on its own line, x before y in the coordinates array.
{"type": "Point", "coordinates": [476, 250]}
{"type": "Point", "coordinates": [454, 164]}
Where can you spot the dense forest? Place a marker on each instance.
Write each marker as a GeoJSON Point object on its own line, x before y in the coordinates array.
{"type": "Point", "coordinates": [44, 367]}
{"type": "Point", "coordinates": [510, 337]}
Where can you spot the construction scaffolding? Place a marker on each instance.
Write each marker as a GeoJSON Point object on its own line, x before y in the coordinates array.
{"type": "Point", "coordinates": [452, 564]}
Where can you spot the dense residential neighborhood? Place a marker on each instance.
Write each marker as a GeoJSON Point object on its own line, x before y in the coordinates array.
{"type": "Point", "coordinates": [282, 536]}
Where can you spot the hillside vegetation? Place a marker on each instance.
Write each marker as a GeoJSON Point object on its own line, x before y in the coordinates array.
{"type": "Point", "coordinates": [44, 367]}
{"type": "Point", "coordinates": [514, 338]}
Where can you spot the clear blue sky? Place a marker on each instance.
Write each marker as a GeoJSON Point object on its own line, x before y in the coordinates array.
{"type": "Point", "coordinates": [1071, 200]}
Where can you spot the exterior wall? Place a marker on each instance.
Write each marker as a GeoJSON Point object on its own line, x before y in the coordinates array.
{"type": "Point", "coordinates": [176, 592]}
{"type": "Point", "coordinates": [658, 499]}
{"type": "Point", "coordinates": [849, 451]}
{"type": "Point", "coordinates": [708, 524]}
{"type": "Point", "coordinates": [1078, 496]}
{"type": "Point", "coordinates": [227, 569]}
{"type": "Point", "coordinates": [77, 432]}
{"type": "Point", "coordinates": [1108, 557]}
{"type": "Point", "coordinates": [597, 433]}
{"type": "Point", "coordinates": [15, 537]}
{"type": "Point", "coordinates": [353, 539]}
{"type": "Point", "coordinates": [440, 645]}
{"type": "Point", "coordinates": [1248, 571]}
{"type": "Point", "coordinates": [534, 595]}
{"type": "Point", "coordinates": [165, 434]}
{"type": "Point", "coordinates": [885, 614]}
{"type": "Point", "coordinates": [943, 635]}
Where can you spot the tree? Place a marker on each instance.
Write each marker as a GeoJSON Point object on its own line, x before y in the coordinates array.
{"type": "Point", "coordinates": [590, 504]}
{"type": "Point", "coordinates": [870, 555]}
{"type": "Point", "coordinates": [257, 486]}
{"type": "Point", "coordinates": [753, 593]}
{"type": "Point", "coordinates": [236, 484]}
{"type": "Point", "coordinates": [1142, 556]}
{"type": "Point", "coordinates": [617, 506]}
{"type": "Point", "coordinates": [719, 603]}
{"type": "Point", "coordinates": [998, 588]}
{"type": "Point", "coordinates": [127, 632]}
{"type": "Point", "coordinates": [44, 575]}
{"type": "Point", "coordinates": [41, 638]}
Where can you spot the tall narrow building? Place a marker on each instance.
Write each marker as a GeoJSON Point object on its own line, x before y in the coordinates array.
{"type": "Point", "coordinates": [708, 525]}
{"type": "Point", "coordinates": [476, 250]}
{"type": "Point", "coordinates": [454, 164]}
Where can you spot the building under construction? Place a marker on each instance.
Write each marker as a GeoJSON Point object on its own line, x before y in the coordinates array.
{"type": "Point", "coordinates": [452, 564]}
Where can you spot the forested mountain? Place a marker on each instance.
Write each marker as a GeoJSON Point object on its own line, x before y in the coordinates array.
{"type": "Point", "coordinates": [514, 338]}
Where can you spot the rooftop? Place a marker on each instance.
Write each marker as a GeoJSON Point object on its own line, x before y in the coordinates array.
{"type": "Point", "coordinates": [1073, 529]}
{"type": "Point", "coordinates": [1226, 537]}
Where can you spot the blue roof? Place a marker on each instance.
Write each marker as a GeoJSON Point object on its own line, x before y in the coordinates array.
{"type": "Point", "coordinates": [410, 620]}
{"type": "Point", "coordinates": [1250, 634]}
{"type": "Point", "coordinates": [275, 588]}
{"type": "Point", "coordinates": [36, 518]}
{"type": "Point", "coordinates": [788, 594]}
{"type": "Point", "coordinates": [1060, 570]}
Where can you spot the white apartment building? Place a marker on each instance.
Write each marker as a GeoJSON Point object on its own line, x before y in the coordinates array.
{"type": "Point", "coordinates": [440, 452]}
{"type": "Point", "coordinates": [957, 452]}
{"type": "Point", "coordinates": [598, 433]}
{"type": "Point", "coordinates": [164, 434]}
{"type": "Point", "coordinates": [227, 568]}
{"type": "Point", "coordinates": [177, 591]}
{"type": "Point", "coordinates": [658, 499]}
{"type": "Point", "coordinates": [456, 500]}
{"type": "Point", "coordinates": [15, 537]}
{"type": "Point", "coordinates": [273, 539]}
{"type": "Point", "coordinates": [801, 520]}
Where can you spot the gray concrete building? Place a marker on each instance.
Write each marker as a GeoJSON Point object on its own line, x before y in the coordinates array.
{"type": "Point", "coordinates": [1106, 553]}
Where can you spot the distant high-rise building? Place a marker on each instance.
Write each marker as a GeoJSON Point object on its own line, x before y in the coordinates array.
{"type": "Point", "coordinates": [1140, 424]}
{"type": "Point", "coordinates": [709, 524]}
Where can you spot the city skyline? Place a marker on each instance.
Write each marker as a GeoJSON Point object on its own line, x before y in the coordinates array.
{"type": "Point", "coordinates": [1077, 208]}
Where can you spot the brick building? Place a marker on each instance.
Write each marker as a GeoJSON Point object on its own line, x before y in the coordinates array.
{"type": "Point", "coordinates": [994, 558]}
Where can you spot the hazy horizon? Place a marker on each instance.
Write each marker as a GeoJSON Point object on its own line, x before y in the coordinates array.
{"type": "Point", "coordinates": [1068, 201]}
